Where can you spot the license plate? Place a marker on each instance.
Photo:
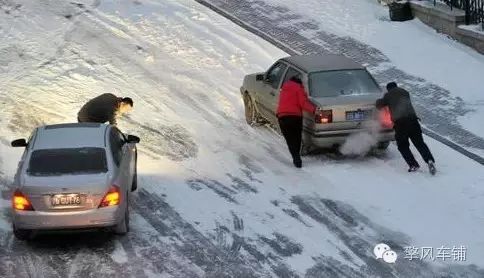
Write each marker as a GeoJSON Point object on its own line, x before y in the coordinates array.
{"type": "Point", "coordinates": [59, 200]}
{"type": "Point", "coordinates": [359, 115]}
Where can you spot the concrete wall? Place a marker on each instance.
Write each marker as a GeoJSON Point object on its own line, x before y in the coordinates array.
{"type": "Point", "coordinates": [447, 21]}
{"type": "Point", "coordinates": [471, 38]}
{"type": "Point", "coordinates": [440, 17]}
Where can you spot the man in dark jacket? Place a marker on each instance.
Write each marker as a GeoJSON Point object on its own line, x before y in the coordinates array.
{"type": "Point", "coordinates": [104, 108]}
{"type": "Point", "coordinates": [406, 126]}
{"type": "Point", "coordinates": [292, 101]}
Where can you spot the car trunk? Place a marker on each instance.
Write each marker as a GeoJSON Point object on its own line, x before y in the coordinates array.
{"type": "Point", "coordinates": [348, 111]}
{"type": "Point", "coordinates": [65, 192]}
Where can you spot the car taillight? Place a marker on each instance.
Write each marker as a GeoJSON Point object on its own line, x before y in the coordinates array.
{"type": "Point", "coordinates": [112, 197]}
{"type": "Point", "coordinates": [21, 202]}
{"type": "Point", "coordinates": [385, 118]}
{"type": "Point", "coordinates": [324, 116]}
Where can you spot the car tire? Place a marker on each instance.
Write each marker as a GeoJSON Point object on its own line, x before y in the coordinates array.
{"type": "Point", "coordinates": [22, 234]}
{"type": "Point", "coordinates": [252, 117]}
{"type": "Point", "coordinates": [122, 227]}
{"type": "Point", "coordinates": [383, 145]}
{"type": "Point", "coordinates": [134, 185]}
{"type": "Point", "coordinates": [305, 149]}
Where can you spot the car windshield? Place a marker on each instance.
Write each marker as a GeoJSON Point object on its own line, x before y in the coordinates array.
{"type": "Point", "coordinates": [56, 162]}
{"type": "Point", "coordinates": [342, 83]}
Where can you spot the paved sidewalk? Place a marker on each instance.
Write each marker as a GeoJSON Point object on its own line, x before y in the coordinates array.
{"type": "Point", "coordinates": [435, 105]}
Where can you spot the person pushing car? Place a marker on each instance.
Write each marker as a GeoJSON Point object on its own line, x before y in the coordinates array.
{"type": "Point", "coordinates": [104, 108]}
{"type": "Point", "coordinates": [292, 102]}
{"type": "Point", "coordinates": [406, 126]}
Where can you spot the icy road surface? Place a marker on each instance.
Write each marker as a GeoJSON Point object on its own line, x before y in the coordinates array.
{"type": "Point", "coordinates": [216, 198]}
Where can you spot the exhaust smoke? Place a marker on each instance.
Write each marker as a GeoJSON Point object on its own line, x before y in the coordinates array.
{"type": "Point", "coordinates": [361, 143]}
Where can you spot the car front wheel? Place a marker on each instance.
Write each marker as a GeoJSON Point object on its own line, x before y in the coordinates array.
{"type": "Point", "coordinates": [251, 115]}
{"type": "Point", "coordinates": [134, 185]}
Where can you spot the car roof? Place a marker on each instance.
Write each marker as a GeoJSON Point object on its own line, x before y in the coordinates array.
{"type": "Point", "coordinates": [322, 62]}
{"type": "Point", "coordinates": [73, 135]}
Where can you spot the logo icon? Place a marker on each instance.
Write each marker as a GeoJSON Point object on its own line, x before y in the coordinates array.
{"type": "Point", "coordinates": [384, 252]}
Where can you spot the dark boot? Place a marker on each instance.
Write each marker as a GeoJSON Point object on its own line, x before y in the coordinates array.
{"type": "Point", "coordinates": [413, 168]}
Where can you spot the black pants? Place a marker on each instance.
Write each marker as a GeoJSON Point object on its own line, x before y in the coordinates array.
{"type": "Point", "coordinates": [409, 128]}
{"type": "Point", "coordinates": [291, 128]}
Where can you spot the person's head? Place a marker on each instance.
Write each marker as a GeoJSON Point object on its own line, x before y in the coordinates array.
{"type": "Point", "coordinates": [391, 85]}
{"type": "Point", "coordinates": [125, 105]}
{"type": "Point", "coordinates": [296, 79]}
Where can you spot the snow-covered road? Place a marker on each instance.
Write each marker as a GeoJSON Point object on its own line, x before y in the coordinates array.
{"type": "Point", "coordinates": [216, 198]}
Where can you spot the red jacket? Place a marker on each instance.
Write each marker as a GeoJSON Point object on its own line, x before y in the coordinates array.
{"type": "Point", "coordinates": [293, 100]}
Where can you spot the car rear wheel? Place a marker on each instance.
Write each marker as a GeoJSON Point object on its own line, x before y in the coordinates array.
{"type": "Point", "coordinates": [22, 234]}
{"type": "Point", "coordinates": [305, 149]}
{"type": "Point", "coordinates": [123, 227]}
{"type": "Point", "coordinates": [252, 117]}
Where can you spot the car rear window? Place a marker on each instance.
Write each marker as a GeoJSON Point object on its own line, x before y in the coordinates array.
{"type": "Point", "coordinates": [342, 83]}
{"type": "Point", "coordinates": [54, 162]}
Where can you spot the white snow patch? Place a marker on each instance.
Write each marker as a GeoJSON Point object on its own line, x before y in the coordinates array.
{"type": "Point", "coordinates": [473, 27]}
{"type": "Point", "coordinates": [119, 255]}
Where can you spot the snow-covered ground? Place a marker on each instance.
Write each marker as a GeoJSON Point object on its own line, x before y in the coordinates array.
{"type": "Point", "coordinates": [412, 46]}
{"type": "Point", "coordinates": [217, 197]}
{"type": "Point", "coordinates": [473, 27]}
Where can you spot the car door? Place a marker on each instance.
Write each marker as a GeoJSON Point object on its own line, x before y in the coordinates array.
{"type": "Point", "coordinates": [121, 158]}
{"type": "Point", "coordinates": [290, 73]}
{"type": "Point", "coordinates": [269, 93]}
{"type": "Point", "coordinates": [22, 166]}
{"type": "Point", "coordinates": [129, 152]}
{"type": "Point", "coordinates": [293, 72]}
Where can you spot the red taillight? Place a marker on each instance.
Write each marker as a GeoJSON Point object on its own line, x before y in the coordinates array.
{"type": "Point", "coordinates": [21, 202]}
{"type": "Point", "coordinates": [324, 116]}
{"type": "Point", "coordinates": [385, 118]}
{"type": "Point", "coordinates": [112, 197]}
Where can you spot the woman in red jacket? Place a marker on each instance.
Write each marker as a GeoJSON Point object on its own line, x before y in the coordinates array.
{"type": "Point", "coordinates": [292, 101]}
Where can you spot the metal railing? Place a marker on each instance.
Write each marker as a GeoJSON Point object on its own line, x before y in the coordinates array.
{"type": "Point", "coordinates": [474, 9]}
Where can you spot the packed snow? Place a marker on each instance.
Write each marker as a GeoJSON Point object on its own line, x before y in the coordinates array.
{"type": "Point", "coordinates": [218, 197]}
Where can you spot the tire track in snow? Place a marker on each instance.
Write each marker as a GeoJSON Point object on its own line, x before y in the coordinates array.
{"type": "Point", "coordinates": [193, 245]}
{"type": "Point", "coordinates": [359, 234]}
{"type": "Point", "coordinates": [188, 98]}
{"type": "Point", "coordinates": [172, 141]}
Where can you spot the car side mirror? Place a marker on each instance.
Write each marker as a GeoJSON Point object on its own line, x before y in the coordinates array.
{"type": "Point", "coordinates": [19, 143]}
{"type": "Point", "coordinates": [268, 79]}
{"type": "Point", "coordinates": [133, 139]}
{"type": "Point", "coordinates": [259, 77]}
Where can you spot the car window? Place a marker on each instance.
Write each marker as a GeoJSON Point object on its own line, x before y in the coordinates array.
{"type": "Point", "coordinates": [55, 162]}
{"type": "Point", "coordinates": [274, 75]}
{"type": "Point", "coordinates": [291, 72]}
{"type": "Point", "coordinates": [342, 83]}
{"type": "Point", "coordinates": [116, 140]}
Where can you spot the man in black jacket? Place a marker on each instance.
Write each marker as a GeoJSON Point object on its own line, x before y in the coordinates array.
{"type": "Point", "coordinates": [406, 126]}
{"type": "Point", "coordinates": [104, 108]}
